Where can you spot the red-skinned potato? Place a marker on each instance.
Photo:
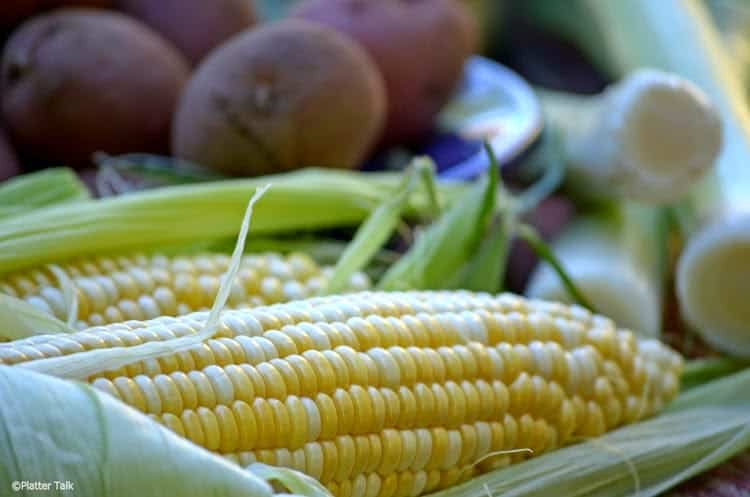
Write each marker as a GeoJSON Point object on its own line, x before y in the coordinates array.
{"type": "Point", "coordinates": [420, 47]}
{"type": "Point", "coordinates": [194, 26]}
{"type": "Point", "coordinates": [282, 96]}
{"type": "Point", "coordinates": [78, 81]}
{"type": "Point", "coordinates": [9, 166]}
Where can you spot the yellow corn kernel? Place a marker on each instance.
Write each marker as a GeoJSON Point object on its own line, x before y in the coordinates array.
{"type": "Point", "coordinates": [111, 290]}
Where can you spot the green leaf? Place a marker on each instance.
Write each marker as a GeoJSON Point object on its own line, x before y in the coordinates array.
{"type": "Point", "coordinates": [543, 251]}
{"type": "Point", "coordinates": [485, 271]}
{"type": "Point", "coordinates": [700, 371]}
{"type": "Point", "coordinates": [446, 245]}
{"type": "Point", "coordinates": [378, 228]}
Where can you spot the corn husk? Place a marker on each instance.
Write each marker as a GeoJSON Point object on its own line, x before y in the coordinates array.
{"type": "Point", "coordinates": [60, 431]}
{"type": "Point", "coordinates": [45, 188]}
{"type": "Point", "coordinates": [305, 200]}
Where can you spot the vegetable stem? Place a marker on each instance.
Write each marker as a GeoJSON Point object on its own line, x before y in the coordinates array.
{"type": "Point", "coordinates": [529, 235]}
{"type": "Point", "coordinates": [648, 138]}
{"type": "Point", "coordinates": [713, 272]}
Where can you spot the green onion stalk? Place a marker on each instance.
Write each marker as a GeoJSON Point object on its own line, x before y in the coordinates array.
{"type": "Point", "coordinates": [615, 256]}
{"type": "Point", "coordinates": [713, 271]}
{"type": "Point", "coordinates": [626, 157]}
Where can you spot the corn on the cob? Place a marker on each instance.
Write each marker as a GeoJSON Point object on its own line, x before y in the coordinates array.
{"type": "Point", "coordinates": [386, 393]}
{"type": "Point", "coordinates": [114, 289]}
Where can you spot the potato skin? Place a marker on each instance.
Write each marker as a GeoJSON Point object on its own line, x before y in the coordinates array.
{"type": "Point", "coordinates": [195, 27]}
{"type": "Point", "coordinates": [420, 47]}
{"type": "Point", "coordinates": [77, 81]}
{"type": "Point", "coordinates": [279, 97]}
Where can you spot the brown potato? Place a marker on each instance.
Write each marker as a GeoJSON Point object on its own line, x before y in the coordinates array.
{"type": "Point", "coordinates": [77, 81]}
{"type": "Point", "coordinates": [279, 97]}
{"type": "Point", "coordinates": [420, 47]}
{"type": "Point", "coordinates": [194, 26]}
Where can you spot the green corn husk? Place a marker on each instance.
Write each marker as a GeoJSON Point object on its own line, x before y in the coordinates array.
{"type": "Point", "coordinates": [701, 429]}
{"type": "Point", "coordinates": [438, 255]}
{"type": "Point", "coordinates": [377, 229]}
{"type": "Point", "coordinates": [175, 216]}
{"type": "Point", "coordinates": [107, 449]}
{"type": "Point", "coordinates": [45, 188]}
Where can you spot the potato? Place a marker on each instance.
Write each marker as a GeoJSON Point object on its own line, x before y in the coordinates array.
{"type": "Point", "coordinates": [279, 97]}
{"type": "Point", "coordinates": [194, 26]}
{"type": "Point", "coordinates": [8, 162]}
{"type": "Point", "coordinates": [420, 47]}
{"type": "Point", "coordinates": [77, 81]}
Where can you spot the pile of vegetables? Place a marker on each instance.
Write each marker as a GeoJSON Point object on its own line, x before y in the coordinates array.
{"type": "Point", "coordinates": [318, 331]}
{"type": "Point", "coordinates": [224, 89]}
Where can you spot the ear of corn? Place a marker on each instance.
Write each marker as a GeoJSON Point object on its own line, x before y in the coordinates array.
{"type": "Point", "coordinates": [385, 393]}
{"type": "Point", "coordinates": [129, 287]}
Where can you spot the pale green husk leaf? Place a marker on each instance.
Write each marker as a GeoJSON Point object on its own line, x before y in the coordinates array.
{"type": "Point", "coordinates": [56, 430]}
{"type": "Point", "coordinates": [22, 320]}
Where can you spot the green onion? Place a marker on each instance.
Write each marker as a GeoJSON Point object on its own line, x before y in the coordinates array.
{"type": "Point", "coordinates": [627, 144]}
{"type": "Point", "coordinates": [616, 258]}
{"type": "Point", "coordinates": [713, 272]}
{"type": "Point", "coordinates": [648, 138]}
